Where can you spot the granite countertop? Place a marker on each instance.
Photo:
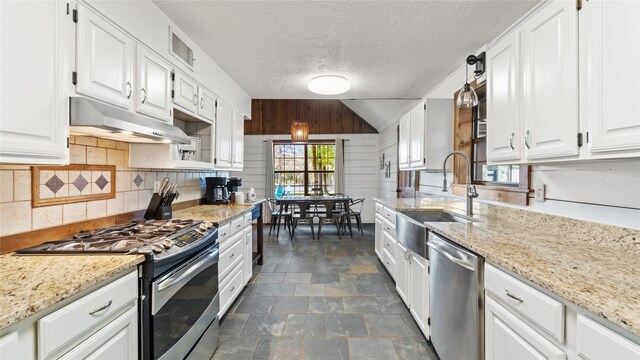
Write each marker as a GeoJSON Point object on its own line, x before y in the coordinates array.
{"type": "Point", "coordinates": [31, 283]}
{"type": "Point", "coordinates": [219, 214]}
{"type": "Point", "coordinates": [592, 265]}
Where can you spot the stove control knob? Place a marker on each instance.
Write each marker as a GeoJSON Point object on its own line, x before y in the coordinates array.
{"type": "Point", "coordinates": [208, 224]}
{"type": "Point", "coordinates": [157, 248]}
{"type": "Point", "coordinates": [167, 243]}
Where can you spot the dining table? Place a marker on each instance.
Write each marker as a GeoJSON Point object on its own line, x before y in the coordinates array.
{"type": "Point", "coordinates": [314, 200]}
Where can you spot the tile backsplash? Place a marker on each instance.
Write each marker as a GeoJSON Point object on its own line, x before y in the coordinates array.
{"type": "Point", "coordinates": [134, 188]}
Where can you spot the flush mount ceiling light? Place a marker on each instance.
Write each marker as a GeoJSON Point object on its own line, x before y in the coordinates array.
{"type": "Point", "coordinates": [299, 132]}
{"type": "Point", "coordinates": [329, 85]}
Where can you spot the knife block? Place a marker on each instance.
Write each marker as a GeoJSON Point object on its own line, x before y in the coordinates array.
{"type": "Point", "coordinates": [156, 210]}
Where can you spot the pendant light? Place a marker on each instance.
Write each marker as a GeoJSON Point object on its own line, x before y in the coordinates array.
{"type": "Point", "coordinates": [299, 132]}
{"type": "Point", "coordinates": [467, 97]}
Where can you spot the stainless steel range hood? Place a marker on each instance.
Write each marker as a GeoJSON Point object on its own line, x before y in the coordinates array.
{"type": "Point", "coordinates": [90, 117]}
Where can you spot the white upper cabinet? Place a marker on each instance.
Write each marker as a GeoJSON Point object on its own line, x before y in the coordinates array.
{"type": "Point", "coordinates": [238, 141]}
{"type": "Point", "coordinates": [34, 77]}
{"type": "Point", "coordinates": [550, 79]}
{"type": "Point", "coordinates": [503, 100]}
{"type": "Point", "coordinates": [153, 85]}
{"type": "Point", "coordinates": [417, 137]}
{"type": "Point", "coordinates": [104, 60]}
{"type": "Point", "coordinates": [426, 135]}
{"type": "Point", "coordinates": [224, 130]}
{"type": "Point", "coordinates": [185, 92]}
{"type": "Point", "coordinates": [609, 75]}
{"type": "Point", "coordinates": [207, 104]}
{"type": "Point", "coordinates": [403, 141]}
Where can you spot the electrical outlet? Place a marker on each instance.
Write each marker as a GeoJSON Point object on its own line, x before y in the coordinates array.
{"type": "Point", "coordinates": [156, 187]}
{"type": "Point", "coordinates": [540, 191]}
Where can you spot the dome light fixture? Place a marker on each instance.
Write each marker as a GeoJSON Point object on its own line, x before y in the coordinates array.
{"type": "Point", "coordinates": [329, 85]}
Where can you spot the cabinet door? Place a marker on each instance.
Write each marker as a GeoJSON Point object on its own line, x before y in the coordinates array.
{"type": "Point", "coordinates": [185, 92]}
{"type": "Point", "coordinates": [550, 79]}
{"type": "Point", "coordinates": [417, 137]}
{"type": "Point", "coordinates": [238, 141]}
{"type": "Point", "coordinates": [104, 60]}
{"type": "Point", "coordinates": [503, 125]}
{"type": "Point", "coordinates": [207, 104]}
{"type": "Point", "coordinates": [224, 129]}
{"type": "Point", "coordinates": [420, 293]}
{"type": "Point", "coordinates": [609, 75]}
{"type": "Point", "coordinates": [403, 272]}
{"type": "Point", "coordinates": [507, 337]}
{"type": "Point", "coordinates": [596, 342]}
{"type": "Point", "coordinates": [379, 236]}
{"type": "Point", "coordinates": [116, 340]}
{"type": "Point", "coordinates": [153, 88]}
{"type": "Point", "coordinates": [248, 253]}
{"type": "Point", "coordinates": [403, 141]}
{"type": "Point", "coordinates": [34, 78]}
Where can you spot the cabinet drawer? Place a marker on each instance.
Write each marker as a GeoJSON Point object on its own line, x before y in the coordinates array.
{"type": "Point", "coordinates": [389, 244]}
{"type": "Point", "coordinates": [237, 225]}
{"type": "Point", "coordinates": [390, 215]}
{"type": "Point", "coordinates": [389, 262]}
{"type": "Point", "coordinates": [247, 219]}
{"type": "Point", "coordinates": [230, 255]}
{"type": "Point", "coordinates": [117, 340]}
{"type": "Point", "coordinates": [379, 208]}
{"type": "Point", "coordinates": [79, 317]}
{"type": "Point", "coordinates": [390, 228]}
{"type": "Point", "coordinates": [223, 232]}
{"type": "Point", "coordinates": [596, 342]}
{"type": "Point", "coordinates": [230, 290]}
{"type": "Point", "coordinates": [533, 304]}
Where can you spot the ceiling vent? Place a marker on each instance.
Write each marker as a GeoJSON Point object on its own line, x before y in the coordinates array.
{"type": "Point", "coordinates": [180, 49]}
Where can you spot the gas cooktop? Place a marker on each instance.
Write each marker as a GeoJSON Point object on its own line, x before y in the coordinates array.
{"type": "Point", "coordinates": [147, 236]}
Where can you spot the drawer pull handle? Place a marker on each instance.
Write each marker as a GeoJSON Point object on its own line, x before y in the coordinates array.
{"type": "Point", "coordinates": [232, 255]}
{"type": "Point", "coordinates": [100, 308]}
{"type": "Point", "coordinates": [514, 297]}
{"type": "Point", "coordinates": [232, 288]}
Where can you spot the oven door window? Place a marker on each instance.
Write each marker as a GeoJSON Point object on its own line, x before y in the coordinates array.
{"type": "Point", "coordinates": [185, 307]}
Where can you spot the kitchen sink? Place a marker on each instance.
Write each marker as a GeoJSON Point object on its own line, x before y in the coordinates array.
{"type": "Point", "coordinates": [412, 232]}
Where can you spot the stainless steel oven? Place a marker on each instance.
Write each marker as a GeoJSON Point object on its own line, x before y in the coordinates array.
{"type": "Point", "coordinates": [182, 310]}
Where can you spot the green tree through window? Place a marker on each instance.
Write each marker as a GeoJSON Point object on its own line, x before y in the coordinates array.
{"type": "Point", "coordinates": [304, 169]}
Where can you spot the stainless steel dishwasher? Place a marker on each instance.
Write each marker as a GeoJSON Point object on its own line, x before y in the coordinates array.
{"type": "Point", "coordinates": [456, 300]}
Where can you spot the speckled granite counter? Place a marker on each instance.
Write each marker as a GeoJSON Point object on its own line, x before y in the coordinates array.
{"type": "Point", "coordinates": [32, 283]}
{"type": "Point", "coordinates": [592, 265]}
{"type": "Point", "coordinates": [218, 214]}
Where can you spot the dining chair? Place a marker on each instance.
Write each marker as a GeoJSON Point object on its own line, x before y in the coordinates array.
{"type": "Point", "coordinates": [278, 213]}
{"type": "Point", "coordinates": [329, 217]}
{"type": "Point", "coordinates": [302, 216]}
{"type": "Point", "coordinates": [353, 214]}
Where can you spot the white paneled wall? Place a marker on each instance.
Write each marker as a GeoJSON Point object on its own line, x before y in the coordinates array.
{"type": "Point", "coordinates": [361, 166]}
{"type": "Point", "coordinates": [388, 145]}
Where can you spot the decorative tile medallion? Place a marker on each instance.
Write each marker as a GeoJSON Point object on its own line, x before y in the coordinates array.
{"type": "Point", "coordinates": [102, 182]}
{"type": "Point", "coordinates": [80, 183]}
{"type": "Point", "coordinates": [55, 185]}
{"type": "Point", "coordinates": [138, 180]}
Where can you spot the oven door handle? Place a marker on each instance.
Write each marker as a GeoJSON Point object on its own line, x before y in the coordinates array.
{"type": "Point", "coordinates": [203, 262]}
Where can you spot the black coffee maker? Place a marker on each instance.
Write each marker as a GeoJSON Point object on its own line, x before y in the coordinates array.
{"type": "Point", "coordinates": [233, 184]}
{"type": "Point", "coordinates": [216, 191]}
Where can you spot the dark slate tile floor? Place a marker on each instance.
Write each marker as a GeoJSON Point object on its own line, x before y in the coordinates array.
{"type": "Point", "coordinates": [320, 300]}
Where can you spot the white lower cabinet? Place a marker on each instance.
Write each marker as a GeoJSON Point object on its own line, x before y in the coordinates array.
{"type": "Point", "coordinates": [403, 272]}
{"type": "Point", "coordinates": [596, 342]}
{"type": "Point", "coordinates": [379, 235]}
{"type": "Point", "coordinates": [117, 340]}
{"type": "Point", "coordinates": [10, 346]}
{"type": "Point", "coordinates": [509, 338]}
{"type": "Point", "coordinates": [419, 292]}
{"type": "Point", "coordinates": [248, 253]}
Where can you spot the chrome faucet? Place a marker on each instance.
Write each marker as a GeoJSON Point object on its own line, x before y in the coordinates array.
{"type": "Point", "coordinates": [471, 189]}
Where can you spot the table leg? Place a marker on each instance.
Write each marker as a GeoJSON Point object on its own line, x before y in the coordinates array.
{"type": "Point", "coordinates": [260, 237]}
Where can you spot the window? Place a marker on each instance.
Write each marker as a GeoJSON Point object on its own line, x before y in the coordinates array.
{"type": "Point", "coordinates": [481, 172]}
{"type": "Point", "coordinates": [304, 169]}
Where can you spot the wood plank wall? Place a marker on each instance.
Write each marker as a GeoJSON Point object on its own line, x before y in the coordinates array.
{"type": "Point", "coordinates": [274, 116]}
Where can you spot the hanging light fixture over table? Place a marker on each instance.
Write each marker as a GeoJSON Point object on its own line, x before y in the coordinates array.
{"type": "Point", "coordinates": [299, 132]}
{"type": "Point", "coordinates": [467, 97]}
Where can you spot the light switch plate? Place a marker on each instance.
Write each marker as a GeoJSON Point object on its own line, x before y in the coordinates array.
{"type": "Point", "coordinates": [540, 191]}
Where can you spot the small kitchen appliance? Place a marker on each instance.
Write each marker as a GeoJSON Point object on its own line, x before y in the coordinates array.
{"type": "Point", "coordinates": [216, 191]}
{"type": "Point", "coordinates": [233, 184]}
